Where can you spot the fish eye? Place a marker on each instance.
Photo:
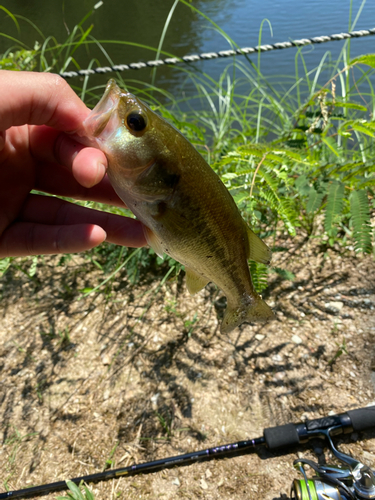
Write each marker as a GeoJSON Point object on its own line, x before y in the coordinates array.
{"type": "Point", "coordinates": [136, 121]}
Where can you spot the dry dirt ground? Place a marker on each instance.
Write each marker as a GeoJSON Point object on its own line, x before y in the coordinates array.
{"type": "Point", "coordinates": [106, 381]}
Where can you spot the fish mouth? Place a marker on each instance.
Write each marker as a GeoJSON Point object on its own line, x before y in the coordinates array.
{"type": "Point", "coordinates": [113, 106]}
{"type": "Point", "coordinates": [99, 117]}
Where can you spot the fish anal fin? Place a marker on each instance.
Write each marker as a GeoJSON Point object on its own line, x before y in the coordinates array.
{"type": "Point", "coordinates": [255, 311]}
{"type": "Point", "coordinates": [258, 250]}
{"type": "Point", "coordinates": [153, 242]}
{"type": "Point", "coordinates": [194, 281]}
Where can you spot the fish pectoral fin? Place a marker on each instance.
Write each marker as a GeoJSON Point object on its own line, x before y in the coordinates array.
{"type": "Point", "coordinates": [153, 241]}
{"type": "Point", "coordinates": [194, 281]}
{"type": "Point", "coordinates": [258, 250]}
{"type": "Point", "coordinates": [256, 310]}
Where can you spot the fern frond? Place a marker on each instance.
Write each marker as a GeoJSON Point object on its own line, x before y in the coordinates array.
{"type": "Point", "coordinates": [283, 206]}
{"type": "Point", "coordinates": [370, 182]}
{"type": "Point", "coordinates": [270, 198]}
{"type": "Point", "coordinates": [335, 203]}
{"type": "Point", "coordinates": [259, 275]}
{"type": "Point", "coordinates": [361, 222]}
{"type": "Point", "coordinates": [314, 202]}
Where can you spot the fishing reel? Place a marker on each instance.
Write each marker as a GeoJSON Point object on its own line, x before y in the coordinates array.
{"type": "Point", "coordinates": [352, 480]}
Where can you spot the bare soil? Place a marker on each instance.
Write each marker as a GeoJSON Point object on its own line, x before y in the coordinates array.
{"type": "Point", "coordinates": [143, 373]}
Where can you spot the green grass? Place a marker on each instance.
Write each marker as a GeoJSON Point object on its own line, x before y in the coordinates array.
{"type": "Point", "coordinates": [296, 152]}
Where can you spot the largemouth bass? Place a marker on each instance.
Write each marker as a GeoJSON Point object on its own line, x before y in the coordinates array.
{"type": "Point", "coordinates": [186, 210]}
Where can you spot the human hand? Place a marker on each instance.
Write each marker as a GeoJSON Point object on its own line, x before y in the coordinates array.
{"type": "Point", "coordinates": [38, 111]}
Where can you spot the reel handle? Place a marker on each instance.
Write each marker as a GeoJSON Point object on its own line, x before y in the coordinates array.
{"type": "Point", "coordinates": [362, 419]}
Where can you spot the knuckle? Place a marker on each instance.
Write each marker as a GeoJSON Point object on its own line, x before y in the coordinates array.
{"type": "Point", "coordinates": [56, 80]}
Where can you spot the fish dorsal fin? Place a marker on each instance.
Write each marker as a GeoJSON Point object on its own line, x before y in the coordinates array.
{"type": "Point", "coordinates": [258, 250]}
{"type": "Point", "coordinates": [194, 281]}
{"type": "Point", "coordinates": [153, 241]}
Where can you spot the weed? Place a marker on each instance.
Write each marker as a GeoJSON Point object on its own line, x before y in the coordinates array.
{"type": "Point", "coordinates": [190, 324]}
{"type": "Point", "coordinates": [171, 306]}
{"type": "Point", "coordinates": [76, 493]}
{"type": "Point", "coordinates": [166, 422]}
{"type": "Point", "coordinates": [5, 265]}
{"type": "Point", "coordinates": [15, 441]}
{"type": "Point", "coordinates": [64, 337]}
{"type": "Point", "coordinates": [340, 351]}
{"type": "Point", "coordinates": [110, 461]}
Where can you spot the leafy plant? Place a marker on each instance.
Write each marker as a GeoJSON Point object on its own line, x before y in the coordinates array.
{"type": "Point", "coordinates": [80, 492]}
{"type": "Point", "coordinates": [20, 60]}
{"type": "Point", "coordinates": [110, 460]}
{"type": "Point", "coordinates": [340, 351]}
{"type": "Point", "coordinates": [361, 222]}
{"type": "Point", "coordinates": [166, 422]}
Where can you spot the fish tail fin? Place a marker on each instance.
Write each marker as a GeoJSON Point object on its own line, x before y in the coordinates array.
{"type": "Point", "coordinates": [254, 310]}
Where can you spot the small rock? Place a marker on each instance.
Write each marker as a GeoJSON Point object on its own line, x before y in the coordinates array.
{"type": "Point", "coordinates": [106, 360]}
{"type": "Point", "coordinates": [176, 481]}
{"type": "Point", "coordinates": [106, 394]}
{"type": "Point", "coordinates": [203, 484]}
{"type": "Point", "coordinates": [259, 336]}
{"type": "Point", "coordinates": [296, 339]}
{"type": "Point", "coordinates": [154, 400]}
{"type": "Point", "coordinates": [208, 473]}
{"type": "Point", "coordinates": [335, 305]}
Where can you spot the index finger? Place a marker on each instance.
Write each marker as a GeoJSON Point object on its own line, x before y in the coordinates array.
{"type": "Point", "coordinates": [39, 99]}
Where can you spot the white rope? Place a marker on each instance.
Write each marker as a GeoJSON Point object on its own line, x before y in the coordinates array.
{"type": "Point", "coordinates": [223, 53]}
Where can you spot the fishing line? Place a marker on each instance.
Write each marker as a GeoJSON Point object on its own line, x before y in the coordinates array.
{"type": "Point", "coordinates": [170, 61]}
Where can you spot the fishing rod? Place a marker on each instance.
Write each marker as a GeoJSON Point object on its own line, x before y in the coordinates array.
{"type": "Point", "coordinates": [356, 476]}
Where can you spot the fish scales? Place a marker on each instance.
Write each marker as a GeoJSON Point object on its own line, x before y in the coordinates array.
{"type": "Point", "coordinates": [186, 210]}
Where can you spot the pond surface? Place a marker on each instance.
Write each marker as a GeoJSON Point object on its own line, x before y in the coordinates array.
{"type": "Point", "coordinates": [142, 21]}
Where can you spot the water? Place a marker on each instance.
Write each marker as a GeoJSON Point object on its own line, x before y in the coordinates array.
{"type": "Point", "coordinates": [142, 21]}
